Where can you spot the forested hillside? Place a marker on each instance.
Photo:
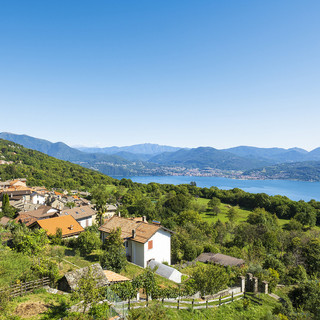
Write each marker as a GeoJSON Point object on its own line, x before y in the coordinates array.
{"type": "Point", "coordinates": [304, 171]}
{"type": "Point", "coordinates": [43, 170]}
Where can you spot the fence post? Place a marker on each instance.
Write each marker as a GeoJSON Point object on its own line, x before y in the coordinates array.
{"type": "Point", "coordinates": [232, 297]}
{"type": "Point", "coordinates": [129, 304]}
{"type": "Point", "coordinates": [220, 300]}
{"type": "Point", "coordinates": [207, 304]}
{"type": "Point", "coordinates": [162, 300]}
{"type": "Point", "coordinates": [178, 306]}
{"type": "Point", "coordinates": [192, 303]}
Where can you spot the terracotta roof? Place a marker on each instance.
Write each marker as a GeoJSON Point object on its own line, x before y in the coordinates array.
{"type": "Point", "coordinates": [17, 188]}
{"type": "Point", "coordinates": [4, 221]}
{"type": "Point", "coordinates": [68, 225]}
{"type": "Point", "coordinates": [115, 277]}
{"type": "Point", "coordinates": [144, 230]}
{"type": "Point", "coordinates": [79, 212]}
{"type": "Point", "coordinates": [42, 212]}
{"type": "Point", "coordinates": [26, 219]}
{"type": "Point", "coordinates": [219, 258]}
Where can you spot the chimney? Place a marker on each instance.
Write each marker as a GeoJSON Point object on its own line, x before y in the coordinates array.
{"type": "Point", "coordinates": [133, 234]}
{"type": "Point", "coordinates": [144, 219]}
{"type": "Point", "coordinates": [71, 227]}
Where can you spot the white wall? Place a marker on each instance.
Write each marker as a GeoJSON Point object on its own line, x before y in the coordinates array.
{"type": "Point", "coordinates": [38, 199]}
{"type": "Point", "coordinates": [86, 222]}
{"type": "Point", "coordinates": [138, 254]}
{"type": "Point", "coordinates": [161, 250]}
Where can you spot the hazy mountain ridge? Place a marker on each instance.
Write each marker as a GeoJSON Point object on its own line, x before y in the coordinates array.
{"type": "Point", "coordinates": [204, 157]}
{"type": "Point", "coordinates": [276, 155]}
{"type": "Point", "coordinates": [303, 171]}
{"type": "Point", "coordinates": [252, 162]}
{"type": "Point", "coordinates": [144, 148]}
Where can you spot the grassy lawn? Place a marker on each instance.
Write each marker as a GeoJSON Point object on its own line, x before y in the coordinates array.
{"type": "Point", "coordinates": [222, 216]}
{"type": "Point", "coordinates": [132, 270]}
{"type": "Point", "coordinates": [110, 187]}
{"type": "Point", "coordinates": [232, 311]}
{"type": "Point", "coordinates": [210, 217]}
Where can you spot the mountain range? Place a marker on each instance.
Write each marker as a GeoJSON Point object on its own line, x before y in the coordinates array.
{"type": "Point", "coordinates": [153, 159]}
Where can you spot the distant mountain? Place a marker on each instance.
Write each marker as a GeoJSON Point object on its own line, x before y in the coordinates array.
{"type": "Point", "coordinates": [148, 159]}
{"type": "Point", "coordinates": [314, 154]}
{"type": "Point", "coordinates": [134, 156]}
{"type": "Point", "coordinates": [145, 148]}
{"type": "Point", "coordinates": [58, 150]}
{"type": "Point", "coordinates": [305, 171]}
{"type": "Point", "coordinates": [275, 155]}
{"type": "Point", "coordinates": [204, 157]}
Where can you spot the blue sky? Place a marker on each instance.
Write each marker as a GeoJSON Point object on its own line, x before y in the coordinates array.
{"type": "Point", "coordinates": [183, 73]}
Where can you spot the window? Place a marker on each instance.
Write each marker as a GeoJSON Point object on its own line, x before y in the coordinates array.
{"type": "Point", "coordinates": [150, 244]}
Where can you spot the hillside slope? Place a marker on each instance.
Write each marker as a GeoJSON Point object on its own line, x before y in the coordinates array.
{"type": "Point", "coordinates": [204, 157]}
{"type": "Point", "coordinates": [304, 171]}
{"type": "Point", "coordinates": [43, 170]}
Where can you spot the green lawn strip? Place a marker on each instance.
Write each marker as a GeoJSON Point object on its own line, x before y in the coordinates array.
{"type": "Point", "coordinates": [110, 187]}
{"type": "Point", "coordinates": [230, 311]}
{"type": "Point", "coordinates": [222, 216]}
{"type": "Point", "coordinates": [132, 270]}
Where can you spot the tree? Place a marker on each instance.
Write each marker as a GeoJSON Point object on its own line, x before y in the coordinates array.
{"type": "Point", "coordinates": [307, 297]}
{"type": "Point", "coordinates": [100, 197]}
{"type": "Point", "coordinates": [147, 281]}
{"type": "Point", "coordinates": [306, 217]}
{"type": "Point", "coordinates": [7, 210]}
{"type": "Point", "coordinates": [29, 242]}
{"type": "Point", "coordinates": [87, 242]}
{"type": "Point", "coordinates": [87, 291]}
{"type": "Point", "coordinates": [214, 202]}
{"type": "Point", "coordinates": [232, 213]}
{"type": "Point", "coordinates": [209, 278]}
{"type": "Point", "coordinates": [125, 290]}
{"type": "Point", "coordinates": [57, 238]}
{"type": "Point", "coordinates": [311, 253]}
{"type": "Point", "coordinates": [114, 255]}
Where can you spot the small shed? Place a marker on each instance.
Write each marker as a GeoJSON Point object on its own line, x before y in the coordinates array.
{"type": "Point", "coordinates": [165, 271]}
{"type": "Point", "coordinates": [219, 258]}
{"type": "Point", "coordinates": [69, 282]}
{"type": "Point", "coordinates": [114, 277]}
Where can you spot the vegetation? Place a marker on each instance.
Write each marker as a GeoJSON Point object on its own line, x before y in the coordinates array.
{"type": "Point", "coordinates": [231, 222]}
{"type": "Point", "coordinates": [42, 170]}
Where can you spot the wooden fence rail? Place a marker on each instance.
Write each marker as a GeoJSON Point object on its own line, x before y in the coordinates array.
{"type": "Point", "coordinates": [185, 304]}
{"type": "Point", "coordinates": [16, 290]}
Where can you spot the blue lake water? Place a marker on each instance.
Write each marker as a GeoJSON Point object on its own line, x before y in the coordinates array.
{"type": "Point", "coordinates": [295, 190]}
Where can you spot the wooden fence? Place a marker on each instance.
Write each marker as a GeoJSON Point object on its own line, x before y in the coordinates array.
{"type": "Point", "coordinates": [22, 288]}
{"type": "Point", "coordinates": [186, 304]}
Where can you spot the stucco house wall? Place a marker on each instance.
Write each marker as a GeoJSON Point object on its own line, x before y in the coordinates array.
{"type": "Point", "coordinates": [161, 248]}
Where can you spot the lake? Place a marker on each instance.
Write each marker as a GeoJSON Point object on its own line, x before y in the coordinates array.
{"type": "Point", "coordinates": [295, 190]}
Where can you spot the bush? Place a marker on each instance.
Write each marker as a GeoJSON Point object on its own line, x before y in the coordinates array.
{"type": "Point", "coordinates": [87, 242]}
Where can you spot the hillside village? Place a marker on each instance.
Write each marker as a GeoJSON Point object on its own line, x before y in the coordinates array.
{"type": "Point", "coordinates": [115, 248]}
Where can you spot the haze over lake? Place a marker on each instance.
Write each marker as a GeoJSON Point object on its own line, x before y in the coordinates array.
{"type": "Point", "coordinates": [295, 190]}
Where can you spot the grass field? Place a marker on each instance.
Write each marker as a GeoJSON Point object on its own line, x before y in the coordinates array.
{"type": "Point", "coordinates": [233, 311]}
{"type": "Point", "coordinates": [210, 217]}
{"type": "Point", "coordinates": [132, 270]}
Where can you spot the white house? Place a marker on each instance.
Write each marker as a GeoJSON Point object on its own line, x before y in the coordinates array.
{"type": "Point", "coordinates": [37, 198]}
{"type": "Point", "coordinates": [143, 241]}
{"type": "Point", "coordinates": [84, 215]}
